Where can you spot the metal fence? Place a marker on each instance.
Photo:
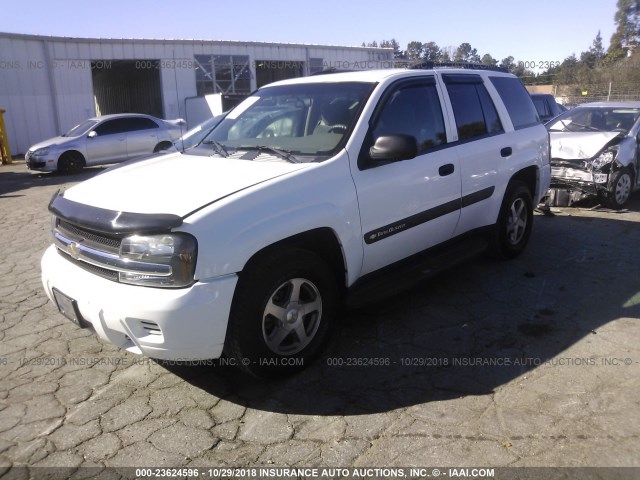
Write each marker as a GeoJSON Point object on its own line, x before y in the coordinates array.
{"type": "Point", "coordinates": [605, 92]}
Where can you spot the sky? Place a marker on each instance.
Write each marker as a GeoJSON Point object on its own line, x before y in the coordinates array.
{"type": "Point", "coordinates": [532, 31]}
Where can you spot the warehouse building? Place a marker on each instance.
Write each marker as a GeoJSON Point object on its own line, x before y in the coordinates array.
{"type": "Point", "coordinates": [49, 84]}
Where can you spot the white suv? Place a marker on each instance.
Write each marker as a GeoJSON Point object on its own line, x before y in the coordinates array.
{"type": "Point", "coordinates": [312, 192]}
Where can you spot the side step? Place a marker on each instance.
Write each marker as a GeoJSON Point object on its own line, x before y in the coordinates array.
{"type": "Point", "coordinates": [415, 269]}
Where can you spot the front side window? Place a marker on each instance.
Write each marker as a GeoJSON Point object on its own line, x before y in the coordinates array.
{"type": "Point", "coordinates": [309, 119]}
{"type": "Point", "coordinates": [111, 127]}
{"type": "Point", "coordinates": [413, 110]}
{"type": "Point", "coordinates": [84, 127]}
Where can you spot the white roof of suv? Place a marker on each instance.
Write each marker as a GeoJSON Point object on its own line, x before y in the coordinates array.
{"type": "Point", "coordinates": [379, 75]}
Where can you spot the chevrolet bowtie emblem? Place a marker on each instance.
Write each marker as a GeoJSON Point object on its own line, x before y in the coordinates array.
{"type": "Point", "coordinates": [74, 250]}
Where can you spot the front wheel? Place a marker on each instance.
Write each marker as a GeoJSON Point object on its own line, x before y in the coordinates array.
{"type": "Point", "coordinates": [619, 189]}
{"type": "Point", "coordinates": [513, 228]}
{"type": "Point", "coordinates": [70, 162]}
{"type": "Point", "coordinates": [283, 312]}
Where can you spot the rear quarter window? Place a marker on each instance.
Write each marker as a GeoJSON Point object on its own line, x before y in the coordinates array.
{"type": "Point", "coordinates": [517, 101]}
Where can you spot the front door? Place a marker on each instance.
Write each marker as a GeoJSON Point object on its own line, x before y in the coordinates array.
{"type": "Point", "coordinates": [109, 143]}
{"type": "Point", "coordinates": [410, 205]}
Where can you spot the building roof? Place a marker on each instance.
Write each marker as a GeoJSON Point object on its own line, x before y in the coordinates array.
{"type": "Point", "coordinates": [25, 36]}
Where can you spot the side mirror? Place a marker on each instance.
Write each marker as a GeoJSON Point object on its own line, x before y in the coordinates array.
{"type": "Point", "coordinates": [393, 148]}
{"type": "Point", "coordinates": [92, 134]}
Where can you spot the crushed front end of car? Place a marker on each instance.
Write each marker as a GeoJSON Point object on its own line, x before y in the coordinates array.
{"type": "Point", "coordinates": [574, 179]}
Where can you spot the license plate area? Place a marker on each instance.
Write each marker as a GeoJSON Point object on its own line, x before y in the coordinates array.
{"type": "Point", "coordinates": [69, 308]}
{"type": "Point", "coordinates": [600, 177]}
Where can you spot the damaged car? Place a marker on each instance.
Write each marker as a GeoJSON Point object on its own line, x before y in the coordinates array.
{"type": "Point", "coordinates": [595, 152]}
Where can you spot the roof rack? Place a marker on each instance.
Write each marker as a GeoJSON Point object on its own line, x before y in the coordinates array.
{"type": "Point", "coordinates": [466, 65]}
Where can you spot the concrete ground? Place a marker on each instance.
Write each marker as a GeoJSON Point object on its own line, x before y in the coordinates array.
{"type": "Point", "coordinates": [532, 362]}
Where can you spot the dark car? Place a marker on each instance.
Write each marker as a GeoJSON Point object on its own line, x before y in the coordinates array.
{"type": "Point", "coordinates": [546, 106]}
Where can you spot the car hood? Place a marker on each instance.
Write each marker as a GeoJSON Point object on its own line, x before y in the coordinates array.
{"type": "Point", "coordinates": [175, 183]}
{"type": "Point", "coordinates": [51, 142]}
{"type": "Point", "coordinates": [578, 145]}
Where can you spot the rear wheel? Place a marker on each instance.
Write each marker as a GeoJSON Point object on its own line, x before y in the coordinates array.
{"type": "Point", "coordinates": [619, 189]}
{"type": "Point", "coordinates": [162, 146]}
{"type": "Point", "coordinates": [513, 228]}
{"type": "Point", "coordinates": [283, 312]}
{"type": "Point", "coordinates": [70, 162]}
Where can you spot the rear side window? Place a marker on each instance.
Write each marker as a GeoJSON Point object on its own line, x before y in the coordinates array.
{"type": "Point", "coordinates": [517, 101]}
{"type": "Point", "coordinates": [140, 123]}
{"type": "Point", "coordinates": [473, 108]}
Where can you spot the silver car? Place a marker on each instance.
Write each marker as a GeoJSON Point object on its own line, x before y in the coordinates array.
{"type": "Point", "coordinates": [101, 140]}
{"type": "Point", "coordinates": [595, 151]}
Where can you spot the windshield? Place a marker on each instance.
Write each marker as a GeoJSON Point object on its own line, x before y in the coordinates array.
{"type": "Point", "coordinates": [596, 119]}
{"type": "Point", "coordinates": [309, 119]}
{"type": "Point", "coordinates": [197, 133]}
{"type": "Point", "coordinates": [81, 129]}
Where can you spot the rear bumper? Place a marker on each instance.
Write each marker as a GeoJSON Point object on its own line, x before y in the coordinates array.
{"type": "Point", "coordinates": [171, 324]}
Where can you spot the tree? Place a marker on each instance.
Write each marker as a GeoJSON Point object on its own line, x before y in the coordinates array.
{"type": "Point", "coordinates": [508, 63]}
{"type": "Point", "coordinates": [393, 43]}
{"type": "Point", "coordinates": [489, 60]}
{"type": "Point", "coordinates": [466, 53]}
{"type": "Point", "coordinates": [431, 52]}
{"type": "Point", "coordinates": [414, 50]}
{"type": "Point", "coordinates": [627, 20]}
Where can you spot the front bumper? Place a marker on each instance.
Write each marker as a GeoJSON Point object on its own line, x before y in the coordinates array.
{"type": "Point", "coordinates": [583, 180]}
{"type": "Point", "coordinates": [170, 324]}
{"type": "Point", "coordinates": [41, 164]}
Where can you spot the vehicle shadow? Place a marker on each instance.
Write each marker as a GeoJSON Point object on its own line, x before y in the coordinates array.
{"type": "Point", "coordinates": [466, 332]}
{"type": "Point", "coordinates": [18, 178]}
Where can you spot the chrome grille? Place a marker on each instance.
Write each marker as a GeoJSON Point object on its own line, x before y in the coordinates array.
{"type": "Point", "coordinates": [102, 272]}
{"type": "Point", "coordinates": [77, 234]}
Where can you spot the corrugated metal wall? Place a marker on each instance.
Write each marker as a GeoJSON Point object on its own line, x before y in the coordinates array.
{"type": "Point", "coordinates": [46, 83]}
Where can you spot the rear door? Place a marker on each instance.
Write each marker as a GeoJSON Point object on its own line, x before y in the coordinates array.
{"type": "Point", "coordinates": [142, 136]}
{"type": "Point", "coordinates": [482, 148]}
{"type": "Point", "coordinates": [410, 205]}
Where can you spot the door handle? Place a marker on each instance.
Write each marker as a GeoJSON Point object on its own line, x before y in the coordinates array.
{"type": "Point", "coordinates": [447, 169]}
{"type": "Point", "coordinates": [506, 151]}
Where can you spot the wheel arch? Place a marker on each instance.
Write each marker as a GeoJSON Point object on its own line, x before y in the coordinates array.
{"type": "Point", "coordinates": [530, 176]}
{"type": "Point", "coordinates": [74, 151]}
{"type": "Point", "coordinates": [322, 241]}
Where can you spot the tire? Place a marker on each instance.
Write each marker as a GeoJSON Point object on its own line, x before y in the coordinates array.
{"type": "Point", "coordinates": [619, 190]}
{"type": "Point", "coordinates": [70, 162]}
{"type": "Point", "coordinates": [162, 146]}
{"type": "Point", "coordinates": [283, 312]}
{"type": "Point", "coordinates": [513, 228]}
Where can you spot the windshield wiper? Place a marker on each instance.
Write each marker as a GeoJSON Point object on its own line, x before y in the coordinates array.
{"type": "Point", "coordinates": [284, 154]}
{"type": "Point", "coordinates": [218, 147]}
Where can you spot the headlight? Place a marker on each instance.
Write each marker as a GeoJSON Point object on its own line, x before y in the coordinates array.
{"type": "Point", "coordinates": [41, 152]}
{"type": "Point", "coordinates": [171, 259]}
{"type": "Point", "coordinates": [604, 158]}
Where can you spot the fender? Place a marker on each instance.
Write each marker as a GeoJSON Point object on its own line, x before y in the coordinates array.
{"type": "Point", "coordinates": [321, 196]}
